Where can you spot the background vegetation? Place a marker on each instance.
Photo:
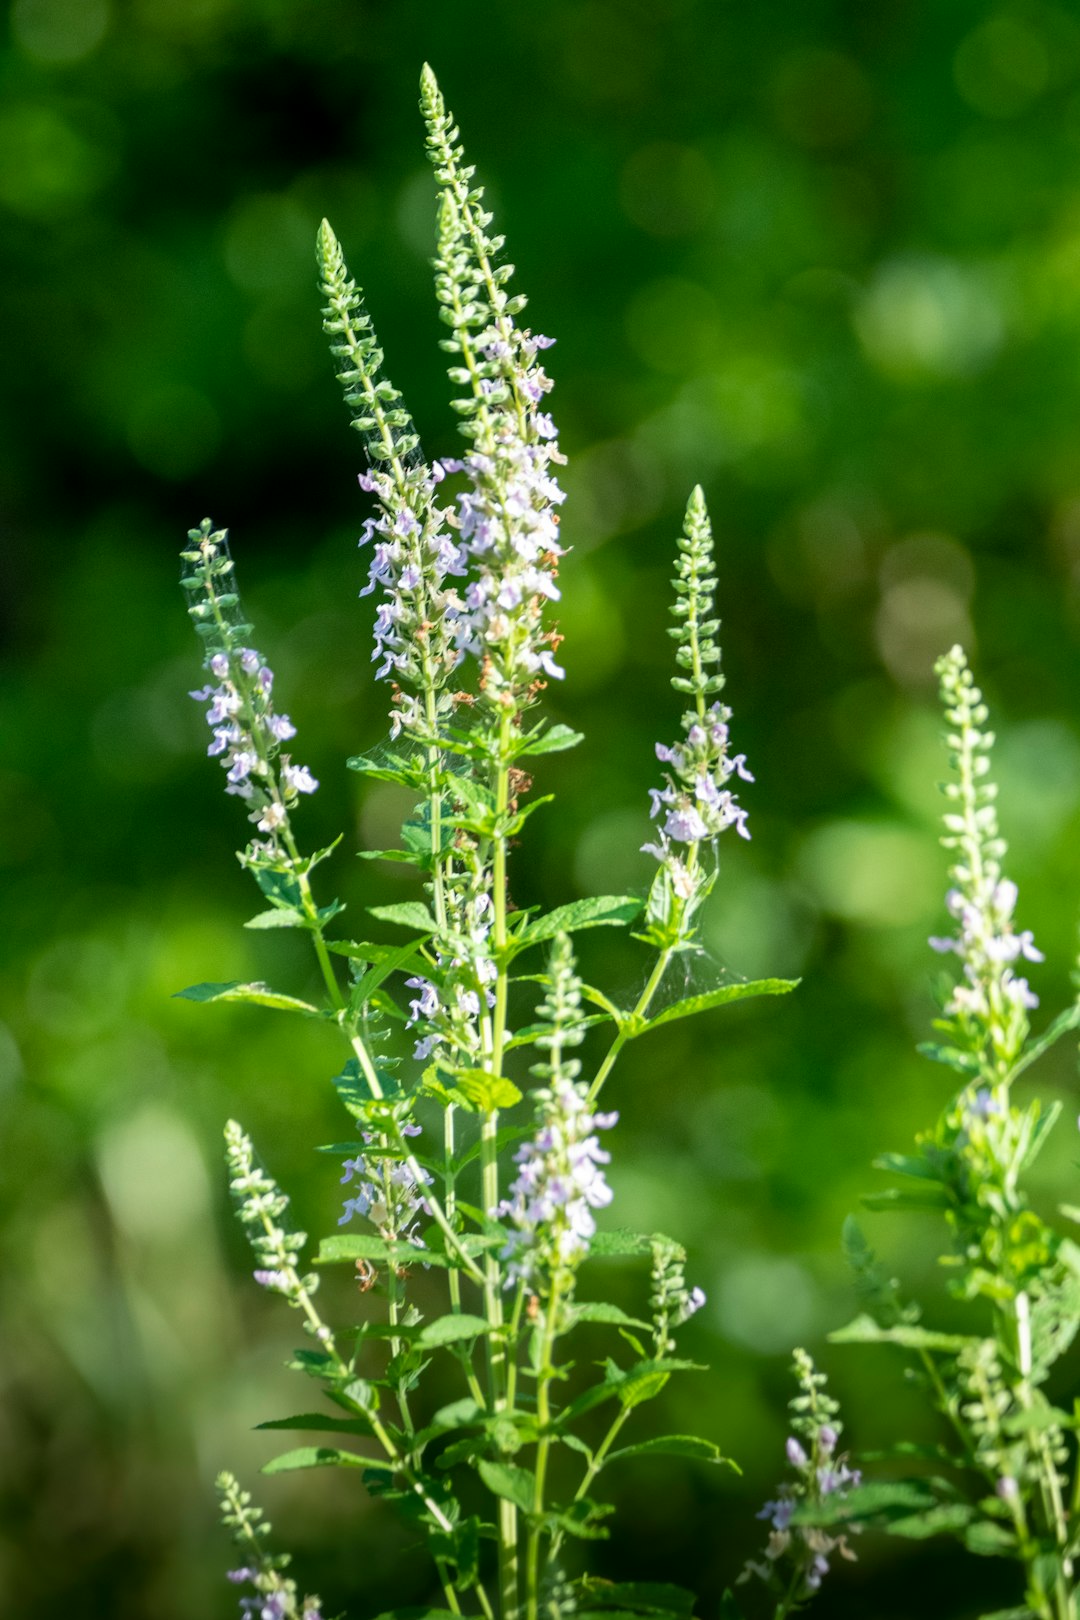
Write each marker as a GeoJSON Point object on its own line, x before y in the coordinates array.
{"type": "Point", "coordinates": [825, 258]}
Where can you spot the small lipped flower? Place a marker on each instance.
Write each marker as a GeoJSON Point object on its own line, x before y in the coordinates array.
{"type": "Point", "coordinates": [986, 1011]}
{"type": "Point", "coordinates": [698, 799]}
{"type": "Point", "coordinates": [387, 1191]}
{"type": "Point", "coordinates": [560, 1180]}
{"type": "Point", "coordinates": [246, 731]}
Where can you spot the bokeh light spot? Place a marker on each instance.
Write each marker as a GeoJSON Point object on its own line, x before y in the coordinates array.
{"type": "Point", "coordinates": [765, 1302]}
{"type": "Point", "coordinates": [153, 1174]}
{"type": "Point", "coordinates": [1001, 67]}
{"type": "Point", "coordinates": [674, 325]}
{"type": "Point", "coordinates": [927, 317]}
{"type": "Point", "coordinates": [59, 31]}
{"type": "Point", "coordinates": [879, 874]}
{"type": "Point", "coordinates": [821, 98]}
{"type": "Point", "coordinates": [173, 430]}
{"type": "Point", "coordinates": [269, 244]}
{"type": "Point", "coordinates": [50, 167]}
{"type": "Point", "coordinates": [667, 190]}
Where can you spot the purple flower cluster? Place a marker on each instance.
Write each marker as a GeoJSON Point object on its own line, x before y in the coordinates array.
{"type": "Point", "coordinates": [450, 1012]}
{"type": "Point", "coordinates": [418, 623]}
{"type": "Point", "coordinates": [388, 1193]}
{"type": "Point", "coordinates": [508, 522]}
{"type": "Point", "coordinates": [987, 945]}
{"type": "Point", "coordinates": [277, 1601]}
{"type": "Point", "coordinates": [247, 737]}
{"type": "Point", "coordinates": [820, 1476]}
{"type": "Point", "coordinates": [560, 1182]}
{"type": "Point", "coordinates": [696, 801]}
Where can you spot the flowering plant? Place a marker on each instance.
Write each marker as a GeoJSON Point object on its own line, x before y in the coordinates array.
{"type": "Point", "coordinates": [1006, 1474]}
{"type": "Point", "coordinates": [462, 1269]}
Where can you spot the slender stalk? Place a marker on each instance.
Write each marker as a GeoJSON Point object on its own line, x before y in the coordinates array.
{"type": "Point", "coordinates": [545, 1373]}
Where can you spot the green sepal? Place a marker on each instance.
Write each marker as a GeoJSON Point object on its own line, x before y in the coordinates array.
{"type": "Point", "coordinates": [258, 993]}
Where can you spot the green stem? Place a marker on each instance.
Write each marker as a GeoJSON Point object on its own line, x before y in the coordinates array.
{"type": "Point", "coordinates": [545, 1373]}
{"type": "Point", "coordinates": [644, 1002]}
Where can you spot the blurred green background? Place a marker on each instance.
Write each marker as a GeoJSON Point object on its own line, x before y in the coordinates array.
{"type": "Point", "coordinates": [824, 257]}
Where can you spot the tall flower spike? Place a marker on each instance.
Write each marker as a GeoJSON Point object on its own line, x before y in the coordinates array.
{"type": "Point", "coordinates": [247, 733]}
{"type": "Point", "coordinates": [560, 1178]}
{"type": "Point", "coordinates": [696, 802]}
{"type": "Point", "coordinates": [986, 1013]}
{"type": "Point", "coordinates": [276, 1596]}
{"type": "Point", "coordinates": [507, 517]}
{"type": "Point", "coordinates": [415, 558]}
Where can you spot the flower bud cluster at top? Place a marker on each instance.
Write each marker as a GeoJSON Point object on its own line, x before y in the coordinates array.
{"type": "Point", "coordinates": [260, 1204]}
{"type": "Point", "coordinates": [506, 519]}
{"type": "Point", "coordinates": [560, 1178]}
{"type": "Point", "coordinates": [247, 733]}
{"type": "Point", "coordinates": [419, 626]}
{"type": "Point", "coordinates": [988, 1008]}
{"type": "Point", "coordinates": [696, 801]}
{"type": "Point", "coordinates": [276, 1596]}
{"type": "Point", "coordinates": [671, 1301]}
{"type": "Point", "coordinates": [388, 1193]}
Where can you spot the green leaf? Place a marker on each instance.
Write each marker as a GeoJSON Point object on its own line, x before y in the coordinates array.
{"type": "Point", "coordinates": [320, 1420]}
{"type": "Point", "coordinates": [930, 1196]}
{"type": "Point", "coordinates": [1069, 1019]}
{"type": "Point", "coordinates": [279, 917]}
{"type": "Point", "coordinates": [643, 1597]}
{"type": "Point", "coordinates": [717, 998]}
{"type": "Point", "coordinates": [419, 1613]}
{"type": "Point", "coordinates": [945, 1518]}
{"type": "Point", "coordinates": [407, 914]}
{"type": "Point", "coordinates": [902, 1164]}
{"type": "Point", "coordinates": [583, 1518]}
{"type": "Point", "coordinates": [260, 994]}
{"type": "Point", "coordinates": [451, 1329]}
{"type": "Point", "coordinates": [621, 1243]}
{"type": "Point", "coordinates": [352, 1246]}
{"type": "Point", "coordinates": [551, 741]}
{"type": "Point", "coordinates": [1040, 1130]}
{"type": "Point", "coordinates": [508, 1481]}
{"type": "Point", "coordinates": [400, 959]}
{"type": "Point", "coordinates": [353, 1088]}
{"type": "Point", "coordinates": [864, 1330]}
{"type": "Point", "coordinates": [899, 1498]}
{"type": "Point", "coordinates": [322, 1457]}
{"type": "Point", "coordinates": [674, 1445]}
{"type": "Point", "coordinates": [598, 1310]}
{"type": "Point", "coordinates": [387, 768]}
{"type": "Point", "coordinates": [951, 1056]}
{"type": "Point", "coordinates": [988, 1540]}
{"type": "Point", "coordinates": [598, 911]}
{"type": "Point", "coordinates": [486, 1092]}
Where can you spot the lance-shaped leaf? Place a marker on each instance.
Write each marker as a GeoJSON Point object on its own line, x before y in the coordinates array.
{"type": "Point", "coordinates": [713, 998]}
{"type": "Point", "coordinates": [260, 994]}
